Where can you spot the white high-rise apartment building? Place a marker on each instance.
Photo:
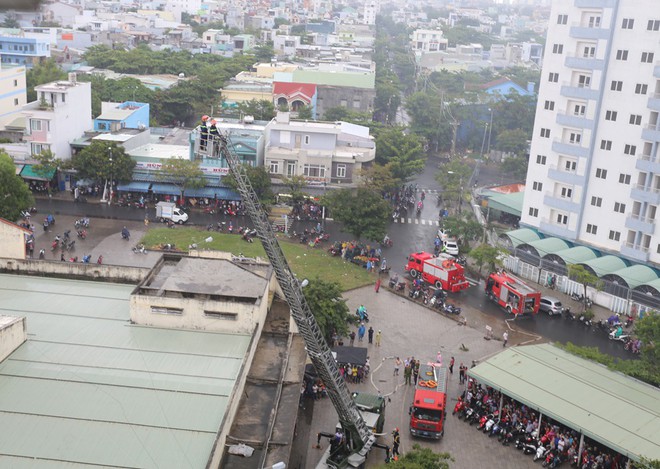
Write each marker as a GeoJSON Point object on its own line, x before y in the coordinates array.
{"type": "Point", "coordinates": [594, 169]}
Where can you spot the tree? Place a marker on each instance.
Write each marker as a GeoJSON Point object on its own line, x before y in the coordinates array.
{"type": "Point", "coordinates": [263, 110]}
{"type": "Point", "coordinates": [328, 306]}
{"type": "Point", "coordinates": [10, 22]}
{"type": "Point", "coordinates": [259, 179]}
{"type": "Point", "coordinates": [295, 184]}
{"type": "Point", "coordinates": [378, 178]}
{"type": "Point", "coordinates": [184, 174]}
{"type": "Point", "coordinates": [305, 113]}
{"type": "Point", "coordinates": [94, 162]}
{"type": "Point", "coordinates": [487, 255]}
{"type": "Point", "coordinates": [14, 192]}
{"type": "Point", "coordinates": [44, 72]}
{"type": "Point", "coordinates": [264, 52]}
{"type": "Point", "coordinates": [516, 167]}
{"type": "Point", "coordinates": [581, 275]}
{"type": "Point", "coordinates": [420, 458]}
{"type": "Point", "coordinates": [648, 331]}
{"type": "Point", "coordinates": [46, 165]}
{"type": "Point", "coordinates": [339, 113]}
{"type": "Point", "coordinates": [465, 229]}
{"type": "Point", "coordinates": [364, 214]}
{"type": "Point", "coordinates": [453, 178]}
{"type": "Point", "coordinates": [402, 152]}
{"type": "Point", "coordinates": [513, 141]}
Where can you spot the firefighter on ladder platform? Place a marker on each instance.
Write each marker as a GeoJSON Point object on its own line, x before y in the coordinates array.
{"type": "Point", "coordinates": [203, 133]}
{"type": "Point", "coordinates": [216, 138]}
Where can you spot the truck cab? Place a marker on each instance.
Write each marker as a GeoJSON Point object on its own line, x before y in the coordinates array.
{"type": "Point", "coordinates": [429, 408]}
{"type": "Point", "coordinates": [372, 409]}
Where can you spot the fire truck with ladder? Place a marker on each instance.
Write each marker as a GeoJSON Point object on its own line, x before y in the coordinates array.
{"type": "Point", "coordinates": [357, 439]}
{"type": "Point", "coordinates": [442, 271]}
{"type": "Point", "coordinates": [512, 294]}
{"type": "Point", "coordinates": [429, 408]}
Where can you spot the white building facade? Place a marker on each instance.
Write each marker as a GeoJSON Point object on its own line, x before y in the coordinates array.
{"type": "Point", "coordinates": [594, 169]}
{"type": "Point", "coordinates": [428, 40]}
{"type": "Point", "coordinates": [14, 93]}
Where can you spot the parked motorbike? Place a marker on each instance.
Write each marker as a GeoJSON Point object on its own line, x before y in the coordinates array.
{"type": "Point", "coordinates": [459, 406]}
{"type": "Point", "coordinates": [581, 299]}
{"type": "Point", "coordinates": [56, 243]}
{"type": "Point", "coordinates": [82, 234]}
{"type": "Point", "coordinates": [617, 334]}
{"type": "Point", "coordinates": [139, 249]}
{"type": "Point", "coordinates": [451, 309]}
{"type": "Point", "coordinates": [541, 452]}
{"type": "Point", "coordinates": [81, 223]}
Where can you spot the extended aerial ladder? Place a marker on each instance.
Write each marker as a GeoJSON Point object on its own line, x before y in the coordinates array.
{"type": "Point", "coordinates": [358, 438]}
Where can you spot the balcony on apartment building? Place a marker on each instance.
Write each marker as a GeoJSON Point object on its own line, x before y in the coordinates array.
{"type": "Point", "coordinates": [581, 62]}
{"type": "Point", "coordinates": [560, 202]}
{"type": "Point", "coordinates": [584, 30]}
{"type": "Point", "coordinates": [574, 121]}
{"type": "Point", "coordinates": [656, 69]}
{"type": "Point", "coordinates": [651, 133]}
{"type": "Point", "coordinates": [552, 227]}
{"type": "Point", "coordinates": [648, 194]}
{"type": "Point", "coordinates": [639, 223]}
{"type": "Point", "coordinates": [647, 164]}
{"type": "Point", "coordinates": [578, 91]}
{"type": "Point", "coordinates": [561, 174]}
{"type": "Point", "coordinates": [653, 102]}
{"type": "Point", "coordinates": [635, 251]}
{"type": "Point", "coordinates": [595, 3]}
{"type": "Point", "coordinates": [569, 149]}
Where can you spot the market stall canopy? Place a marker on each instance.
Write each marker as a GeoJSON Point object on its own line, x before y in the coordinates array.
{"type": "Point", "coordinates": [28, 172]}
{"type": "Point", "coordinates": [353, 355]}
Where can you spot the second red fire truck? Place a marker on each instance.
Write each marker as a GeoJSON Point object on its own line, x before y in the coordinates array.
{"type": "Point", "coordinates": [512, 294]}
{"type": "Point", "coordinates": [442, 271]}
{"type": "Point", "coordinates": [429, 408]}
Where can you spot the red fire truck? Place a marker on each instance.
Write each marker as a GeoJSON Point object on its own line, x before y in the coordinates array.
{"type": "Point", "coordinates": [429, 408]}
{"type": "Point", "coordinates": [512, 293]}
{"type": "Point", "coordinates": [442, 271]}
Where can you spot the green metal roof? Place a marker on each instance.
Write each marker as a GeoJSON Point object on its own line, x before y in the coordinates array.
{"type": "Point", "coordinates": [522, 236]}
{"type": "Point", "coordinates": [611, 408]}
{"type": "Point", "coordinates": [509, 203]}
{"type": "Point", "coordinates": [547, 246]}
{"type": "Point", "coordinates": [321, 77]}
{"type": "Point", "coordinates": [89, 388]}
{"type": "Point", "coordinates": [655, 284]}
{"type": "Point", "coordinates": [605, 265]}
{"type": "Point", "coordinates": [575, 254]}
{"type": "Point", "coordinates": [634, 275]}
{"type": "Point", "coordinates": [28, 172]}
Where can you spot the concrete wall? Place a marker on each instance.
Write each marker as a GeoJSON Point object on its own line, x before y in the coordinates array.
{"type": "Point", "coordinates": [12, 241]}
{"type": "Point", "coordinates": [13, 332]}
{"type": "Point", "coordinates": [106, 273]}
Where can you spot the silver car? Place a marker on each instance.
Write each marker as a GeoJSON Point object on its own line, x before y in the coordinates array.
{"type": "Point", "coordinates": [551, 305]}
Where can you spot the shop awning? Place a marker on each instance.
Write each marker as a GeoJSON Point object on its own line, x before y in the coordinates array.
{"type": "Point", "coordinates": [222, 193]}
{"type": "Point", "coordinates": [28, 173]}
{"type": "Point", "coordinates": [604, 265]}
{"type": "Point", "coordinates": [632, 276]}
{"type": "Point", "coordinates": [508, 203]}
{"type": "Point", "coordinates": [19, 168]}
{"type": "Point", "coordinates": [521, 236]}
{"type": "Point", "coordinates": [135, 186]}
{"type": "Point", "coordinates": [165, 189]}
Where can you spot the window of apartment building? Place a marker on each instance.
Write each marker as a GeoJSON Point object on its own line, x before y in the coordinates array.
{"type": "Point", "coordinates": [553, 77]}
{"type": "Point", "coordinates": [64, 97]}
{"type": "Point", "coordinates": [622, 54]}
{"type": "Point", "coordinates": [575, 138]}
{"type": "Point", "coordinates": [545, 133]}
{"type": "Point", "coordinates": [557, 48]}
{"type": "Point", "coordinates": [592, 229]}
{"type": "Point", "coordinates": [653, 25]}
{"type": "Point", "coordinates": [562, 219]}
{"type": "Point", "coordinates": [630, 149]}
{"type": "Point", "coordinates": [356, 104]}
{"type": "Point", "coordinates": [221, 315]}
{"type": "Point", "coordinates": [541, 159]}
{"type": "Point", "coordinates": [274, 167]}
{"type": "Point", "coordinates": [566, 192]}
{"type": "Point", "coordinates": [15, 83]}
{"type": "Point", "coordinates": [624, 178]}
{"type": "Point", "coordinates": [619, 207]}
{"type": "Point", "coordinates": [550, 105]}
{"type": "Point", "coordinates": [635, 119]}
{"type": "Point", "coordinates": [641, 88]}
{"type": "Point", "coordinates": [314, 170]}
{"type": "Point", "coordinates": [589, 52]}
{"type": "Point", "coordinates": [35, 124]}
{"type": "Point", "coordinates": [537, 186]}
{"type": "Point", "coordinates": [166, 310]}
{"type": "Point", "coordinates": [38, 148]}
{"type": "Point", "coordinates": [647, 57]}
{"type": "Point", "coordinates": [594, 21]}
{"type": "Point", "coordinates": [562, 19]}
{"type": "Point", "coordinates": [584, 81]}
{"type": "Point", "coordinates": [610, 116]}
{"type": "Point", "coordinates": [627, 23]}
{"type": "Point", "coordinates": [616, 85]}
{"type": "Point", "coordinates": [579, 110]}
{"type": "Point", "coordinates": [615, 235]}
{"type": "Point", "coordinates": [343, 103]}
{"type": "Point", "coordinates": [606, 144]}
{"type": "Point", "coordinates": [596, 201]}
{"type": "Point", "coordinates": [15, 101]}
{"type": "Point", "coordinates": [306, 139]}
{"type": "Point", "coordinates": [341, 171]}
{"type": "Point", "coordinates": [533, 212]}
{"type": "Point", "coordinates": [290, 168]}
{"type": "Point", "coordinates": [570, 165]}
{"type": "Point", "coordinates": [601, 173]}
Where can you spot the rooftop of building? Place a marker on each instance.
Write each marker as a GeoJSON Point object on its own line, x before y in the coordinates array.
{"type": "Point", "coordinates": [89, 388]}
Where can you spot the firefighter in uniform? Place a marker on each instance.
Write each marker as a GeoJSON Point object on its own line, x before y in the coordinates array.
{"type": "Point", "coordinates": [214, 135]}
{"type": "Point", "coordinates": [203, 133]}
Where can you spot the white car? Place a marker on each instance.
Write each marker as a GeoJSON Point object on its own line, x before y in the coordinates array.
{"type": "Point", "coordinates": [450, 247]}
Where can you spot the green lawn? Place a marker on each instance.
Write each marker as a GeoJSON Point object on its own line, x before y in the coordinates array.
{"type": "Point", "coordinates": [305, 262]}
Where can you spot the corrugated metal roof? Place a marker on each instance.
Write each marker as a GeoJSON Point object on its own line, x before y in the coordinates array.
{"type": "Point", "coordinates": [575, 254]}
{"type": "Point", "coordinates": [634, 275]}
{"type": "Point", "coordinates": [90, 388]}
{"type": "Point", "coordinates": [509, 203]}
{"type": "Point", "coordinates": [522, 236]}
{"type": "Point", "coordinates": [547, 246]}
{"type": "Point", "coordinates": [605, 265]}
{"type": "Point", "coordinates": [611, 408]}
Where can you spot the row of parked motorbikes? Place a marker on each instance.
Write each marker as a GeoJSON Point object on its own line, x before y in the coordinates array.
{"type": "Point", "coordinates": [434, 297]}
{"type": "Point", "coordinates": [508, 433]}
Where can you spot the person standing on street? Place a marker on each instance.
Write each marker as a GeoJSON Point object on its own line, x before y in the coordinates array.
{"type": "Point", "coordinates": [378, 334]}
{"type": "Point", "coordinates": [377, 287]}
{"type": "Point", "coordinates": [370, 332]}
{"type": "Point", "coordinates": [415, 371]}
{"type": "Point", "coordinates": [407, 373]}
{"type": "Point", "coordinates": [396, 441]}
{"type": "Point", "coordinates": [352, 337]}
{"type": "Point", "coordinates": [451, 366]}
{"type": "Point", "coordinates": [397, 365]}
{"type": "Point", "coordinates": [361, 331]}
{"type": "Point", "coordinates": [505, 336]}
{"type": "Point", "coordinates": [461, 373]}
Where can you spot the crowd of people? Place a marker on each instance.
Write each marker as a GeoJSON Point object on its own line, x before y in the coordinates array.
{"type": "Point", "coordinates": [560, 443]}
{"type": "Point", "coordinates": [307, 211]}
